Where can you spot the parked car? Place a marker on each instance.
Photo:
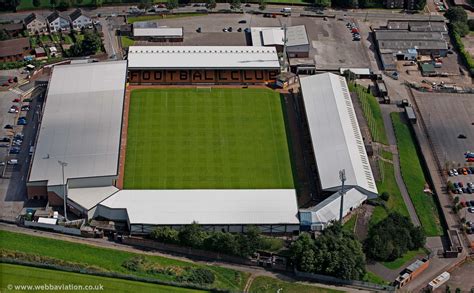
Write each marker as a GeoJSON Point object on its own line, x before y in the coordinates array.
{"type": "Point", "coordinates": [242, 21]}
{"type": "Point", "coordinates": [25, 108]}
{"type": "Point", "coordinates": [4, 145]}
{"type": "Point", "coordinates": [471, 210]}
{"type": "Point", "coordinates": [460, 171]}
{"type": "Point", "coordinates": [455, 172]}
{"type": "Point", "coordinates": [19, 135]}
{"type": "Point", "coordinates": [8, 126]}
{"type": "Point", "coordinates": [5, 139]}
{"type": "Point", "coordinates": [14, 151]}
{"type": "Point", "coordinates": [472, 203]}
{"type": "Point", "coordinates": [21, 122]}
{"type": "Point", "coordinates": [470, 160]}
{"type": "Point", "coordinates": [13, 110]}
{"type": "Point", "coordinates": [450, 173]}
{"type": "Point", "coordinates": [17, 100]}
{"type": "Point", "coordinates": [460, 184]}
{"type": "Point", "coordinates": [464, 171]}
{"type": "Point", "coordinates": [12, 162]}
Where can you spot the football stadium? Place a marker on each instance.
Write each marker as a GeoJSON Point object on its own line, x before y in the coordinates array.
{"type": "Point", "coordinates": [117, 145]}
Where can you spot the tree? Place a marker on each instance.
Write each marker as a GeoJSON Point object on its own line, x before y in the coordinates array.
{"type": "Point", "coordinates": [97, 3]}
{"type": "Point", "coordinates": [461, 28]}
{"type": "Point", "coordinates": [191, 235]}
{"type": "Point", "coordinates": [222, 242]}
{"type": "Point", "coordinates": [392, 237]}
{"type": "Point", "coordinates": [53, 3]}
{"type": "Point", "coordinates": [165, 234]}
{"type": "Point", "coordinates": [171, 4]}
{"type": "Point", "coordinates": [420, 5]}
{"type": "Point", "coordinates": [144, 4]}
{"type": "Point", "coordinates": [235, 4]}
{"type": "Point", "coordinates": [3, 35]}
{"type": "Point", "coordinates": [91, 43]}
{"type": "Point", "coordinates": [36, 3]}
{"type": "Point", "coordinates": [211, 4]}
{"type": "Point", "coordinates": [385, 196]}
{"type": "Point", "coordinates": [262, 4]}
{"type": "Point", "coordinates": [470, 24]}
{"type": "Point", "coordinates": [335, 252]}
{"type": "Point", "coordinates": [63, 5]}
{"type": "Point", "coordinates": [456, 14]}
{"type": "Point", "coordinates": [322, 3]}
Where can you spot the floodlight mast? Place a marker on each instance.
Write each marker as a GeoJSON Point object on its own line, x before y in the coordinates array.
{"type": "Point", "coordinates": [342, 177]}
{"type": "Point", "coordinates": [64, 164]}
{"type": "Point", "coordinates": [285, 40]}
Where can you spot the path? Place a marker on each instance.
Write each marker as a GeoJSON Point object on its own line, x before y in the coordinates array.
{"type": "Point", "coordinates": [104, 243]}
{"type": "Point", "coordinates": [392, 140]}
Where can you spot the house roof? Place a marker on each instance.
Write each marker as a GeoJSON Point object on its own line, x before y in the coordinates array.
{"type": "Point", "coordinates": [201, 57]}
{"type": "Point", "coordinates": [13, 46]}
{"type": "Point", "coordinates": [30, 18]}
{"type": "Point", "coordinates": [335, 133]}
{"type": "Point", "coordinates": [81, 123]}
{"type": "Point", "coordinates": [53, 16]}
{"type": "Point", "coordinates": [76, 14]}
{"type": "Point", "coordinates": [207, 206]}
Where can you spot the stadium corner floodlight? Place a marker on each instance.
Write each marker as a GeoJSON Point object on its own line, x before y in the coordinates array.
{"type": "Point", "coordinates": [64, 164]}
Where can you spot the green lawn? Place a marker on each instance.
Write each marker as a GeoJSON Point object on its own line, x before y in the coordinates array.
{"type": "Point", "coordinates": [126, 42]}
{"type": "Point", "coordinates": [399, 262]}
{"type": "Point", "coordinates": [395, 202]}
{"type": "Point", "coordinates": [271, 285]}
{"type": "Point", "coordinates": [109, 259]}
{"type": "Point", "coordinates": [133, 19]}
{"type": "Point", "coordinates": [386, 155]}
{"type": "Point", "coordinates": [414, 178]}
{"type": "Point", "coordinates": [28, 4]}
{"type": "Point", "coordinates": [207, 139]}
{"type": "Point", "coordinates": [350, 225]}
{"type": "Point", "coordinates": [22, 275]}
{"type": "Point", "coordinates": [372, 113]}
{"type": "Point", "coordinates": [373, 278]}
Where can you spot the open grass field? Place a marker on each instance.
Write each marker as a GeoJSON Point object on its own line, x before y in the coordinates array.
{"type": "Point", "coordinates": [206, 139]}
{"type": "Point", "coordinates": [414, 178]}
{"type": "Point", "coordinates": [395, 202]}
{"type": "Point", "coordinates": [372, 113]}
{"type": "Point", "coordinates": [270, 285]}
{"type": "Point", "coordinates": [110, 259]}
{"type": "Point", "coordinates": [30, 276]}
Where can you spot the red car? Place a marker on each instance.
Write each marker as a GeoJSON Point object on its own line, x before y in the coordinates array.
{"type": "Point", "coordinates": [16, 100]}
{"type": "Point", "coordinates": [470, 159]}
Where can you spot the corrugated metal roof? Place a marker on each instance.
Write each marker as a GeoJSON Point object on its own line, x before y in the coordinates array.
{"type": "Point", "coordinates": [270, 36]}
{"type": "Point", "coordinates": [91, 196]}
{"type": "Point", "coordinates": [201, 57]}
{"type": "Point", "coordinates": [335, 133]}
{"type": "Point", "coordinates": [158, 32]}
{"type": "Point", "coordinates": [81, 122]}
{"type": "Point", "coordinates": [328, 210]}
{"type": "Point", "coordinates": [180, 207]}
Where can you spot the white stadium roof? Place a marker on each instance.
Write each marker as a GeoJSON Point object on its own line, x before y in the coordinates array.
{"type": "Point", "coordinates": [158, 32]}
{"type": "Point", "coordinates": [335, 133]}
{"type": "Point", "coordinates": [89, 197]}
{"type": "Point", "coordinates": [329, 209]}
{"type": "Point", "coordinates": [202, 57]}
{"type": "Point", "coordinates": [271, 36]}
{"type": "Point", "coordinates": [81, 122]}
{"type": "Point", "coordinates": [207, 206]}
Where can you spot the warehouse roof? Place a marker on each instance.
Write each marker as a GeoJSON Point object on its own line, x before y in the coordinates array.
{"type": "Point", "coordinates": [417, 26]}
{"type": "Point", "coordinates": [407, 35]}
{"type": "Point", "coordinates": [270, 36]}
{"type": "Point", "coordinates": [207, 206]}
{"type": "Point", "coordinates": [202, 57]}
{"type": "Point", "coordinates": [158, 32]}
{"type": "Point", "coordinates": [329, 209]}
{"type": "Point", "coordinates": [335, 133]}
{"type": "Point", "coordinates": [81, 122]}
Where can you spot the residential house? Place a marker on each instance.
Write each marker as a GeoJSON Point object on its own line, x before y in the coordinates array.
{"type": "Point", "coordinates": [12, 29]}
{"type": "Point", "coordinates": [35, 24]}
{"type": "Point", "coordinates": [14, 49]}
{"type": "Point", "coordinates": [58, 22]}
{"type": "Point", "coordinates": [79, 20]}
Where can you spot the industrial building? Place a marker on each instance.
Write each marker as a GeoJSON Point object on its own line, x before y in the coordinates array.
{"type": "Point", "coordinates": [417, 26]}
{"type": "Point", "coordinates": [151, 31]}
{"type": "Point", "coordinates": [273, 211]}
{"type": "Point", "coordinates": [297, 45]}
{"type": "Point", "coordinates": [336, 144]}
{"type": "Point", "coordinates": [202, 64]}
{"type": "Point", "coordinates": [81, 127]}
{"type": "Point", "coordinates": [395, 45]}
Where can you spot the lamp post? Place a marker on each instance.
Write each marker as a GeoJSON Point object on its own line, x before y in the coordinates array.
{"type": "Point", "coordinates": [342, 177]}
{"type": "Point", "coordinates": [64, 164]}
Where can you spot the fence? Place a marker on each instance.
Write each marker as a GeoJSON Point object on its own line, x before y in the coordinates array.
{"type": "Point", "coordinates": [337, 281]}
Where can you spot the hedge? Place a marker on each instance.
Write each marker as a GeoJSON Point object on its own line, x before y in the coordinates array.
{"type": "Point", "coordinates": [465, 56]}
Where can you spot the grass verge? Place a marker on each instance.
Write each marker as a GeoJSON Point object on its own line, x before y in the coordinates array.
{"type": "Point", "coordinates": [126, 42]}
{"type": "Point", "coordinates": [350, 225]}
{"type": "Point", "coordinates": [133, 19]}
{"type": "Point", "coordinates": [270, 285]}
{"type": "Point", "coordinates": [373, 278]}
{"type": "Point", "coordinates": [372, 113]}
{"type": "Point", "coordinates": [399, 262]}
{"type": "Point", "coordinates": [414, 178]}
{"type": "Point", "coordinates": [111, 260]}
{"type": "Point", "coordinates": [17, 275]}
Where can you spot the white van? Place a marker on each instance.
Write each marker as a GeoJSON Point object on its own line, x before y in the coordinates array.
{"type": "Point", "coordinates": [286, 10]}
{"type": "Point", "coordinates": [12, 162]}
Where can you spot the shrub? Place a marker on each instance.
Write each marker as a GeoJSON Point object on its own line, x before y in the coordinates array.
{"type": "Point", "coordinates": [165, 234]}
{"type": "Point", "coordinates": [385, 196]}
{"type": "Point", "coordinates": [199, 276]}
{"type": "Point", "coordinates": [136, 264]}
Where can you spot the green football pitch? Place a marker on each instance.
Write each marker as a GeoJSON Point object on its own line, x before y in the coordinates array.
{"type": "Point", "coordinates": [203, 138]}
